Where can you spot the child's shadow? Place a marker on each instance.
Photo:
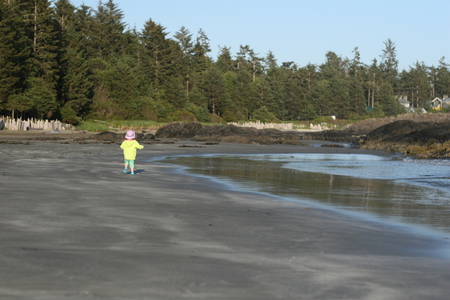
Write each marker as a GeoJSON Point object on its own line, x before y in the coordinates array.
{"type": "Point", "coordinates": [138, 171]}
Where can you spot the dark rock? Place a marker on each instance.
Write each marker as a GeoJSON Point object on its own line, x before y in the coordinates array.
{"type": "Point", "coordinates": [108, 136]}
{"type": "Point", "coordinates": [49, 138]}
{"type": "Point", "coordinates": [395, 128]}
{"type": "Point", "coordinates": [332, 146]}
{"type": "Point", "coordinates": [408, 131]}
{"type": "Point", "coordinates": [394, 134]}
{"type": "Point", "coordinates": [419, 139]}
{"type": "Point", "coordinates": [364, 127]}
{"type": "Point", "coordinates": [338, 136]}
{"type": "Point", "coordinates": [245, 135]}
{"type": "Point", "coordinates": [191, 128]}
{"type": "Point", "coordinates": [144, 137]}
{"type": "Point", "coordinates": [219, 131]}
{"type": "Point", "coordinates": [178, 130]}
{"type": "Point", "coordinates": [170, 130]}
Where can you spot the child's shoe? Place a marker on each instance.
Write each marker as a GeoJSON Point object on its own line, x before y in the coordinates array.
{"type": "Point", "coordinates": [132, 173]}
{"type": "Point", "coordinates": [125, 171]}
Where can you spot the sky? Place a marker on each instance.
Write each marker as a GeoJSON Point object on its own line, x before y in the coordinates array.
{"type": "Point", "coordinates": [303, 31]}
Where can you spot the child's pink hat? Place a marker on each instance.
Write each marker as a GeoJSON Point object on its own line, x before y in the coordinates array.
{"type": "Point", "coordinates": [130, 135]}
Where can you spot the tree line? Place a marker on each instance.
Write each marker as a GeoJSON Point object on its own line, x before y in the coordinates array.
{"type": "Point", "coordinates": [76, 63]}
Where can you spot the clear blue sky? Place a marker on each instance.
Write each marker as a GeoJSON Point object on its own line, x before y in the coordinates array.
{"type": "Point", "coordinates": [303, 31]}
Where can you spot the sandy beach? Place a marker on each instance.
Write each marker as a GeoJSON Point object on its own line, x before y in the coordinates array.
{"type": "Point", "coordinates": [72, 226]}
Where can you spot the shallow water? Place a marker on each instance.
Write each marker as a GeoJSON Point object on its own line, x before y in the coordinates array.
{"type": "Point", "coordinates": [406, 191]}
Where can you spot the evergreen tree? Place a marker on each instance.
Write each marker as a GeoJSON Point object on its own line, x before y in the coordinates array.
{"type": "Point", "coordinates": [184, 38]}
{"type": "Point", "coordinates": [84, 63]}
{"type": "Point", "coordinates": [389, 62]}
{"type": "Point", "coordinates": [214, 90]}
{"type": "Point", "coordinates": [107, 30]}
{"type": "Point", "coordinates": [270, 61]}
{"type": "Point", "coordinates": [320, 97]}
{"type": "Point", "coordinates": [77, 87]}
{"type": "Point", "coordinates": [306, 109]}
{"type": "Point", "coordinates": [416, 85]}
{"type": "Point", "coordinates": [263, 114]}
{"type": "Point", "coordinates": [247, 68]}
{"type": "Point", "coordinates": [277, 97]}
{"type": "Point", "coordinates": [64, 12]}
{"type": "Point", "coordinates": [387, 101]}
{"type": "Point", "coordinates": [197, 65]}
{"type": "Point", "coordinates": [372, 83]}
{"type": "Point", "coordinates": [41, 97]}
{"type": "Point", "coordinates": [43, 30]}
{"type": "Point", "coordinates": [116, 89]}
{"type": "Point", "coordinates": [159, 54]}
{"type": "Point", "coordinates": [442, 81]}
{"type": "Point", "coordinates": [296, 90]}
{"type": "Point", "coordinates": [200, 59]}
{"type": "Point", "coordinates": [224, 61]}
{"type": "Point", "coordinates": [335, 73]}
{"type": "Point", "coordinates": [355, 82]}
{"type": "Point", "coordinates": [15, 52]}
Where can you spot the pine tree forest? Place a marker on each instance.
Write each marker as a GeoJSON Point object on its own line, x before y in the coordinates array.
{"type": "Point", "coordinates": [71, 63]}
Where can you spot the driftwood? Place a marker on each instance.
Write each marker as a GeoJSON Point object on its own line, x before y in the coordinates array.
{"type": "Point", "coordinates": [262, 125]}
{"type": "Point", "coordinates": [32, 124]}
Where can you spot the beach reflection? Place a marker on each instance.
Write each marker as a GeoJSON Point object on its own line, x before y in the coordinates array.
{"type": "Point", "coordinates": [408, 198]}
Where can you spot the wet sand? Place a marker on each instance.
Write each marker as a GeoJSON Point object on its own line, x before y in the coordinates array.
{"type": "Point", "coordinates": [72, 226]}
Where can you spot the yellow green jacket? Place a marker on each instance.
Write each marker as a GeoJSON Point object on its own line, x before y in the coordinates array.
{"type": "Point", "coordinates": [129, 149]}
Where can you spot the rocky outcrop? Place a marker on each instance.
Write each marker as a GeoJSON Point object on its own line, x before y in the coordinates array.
{"type": "Point", "coordinates": [413, 137]}
{"type": "Point", "coordinates": [421, 137]}
{"type": "Point", "coordinates": [246, 135]}
{"type": "Point", "coordinates": [178, 130]}
{"type": "Point", "coordinates": [333, 136]}
{"type": "Point", "coordinates": [418, 139]}
{"type": "Point", "coordinates": [395, 130]}
{"type": "Point", "coordinates": [118, 137]}
{"type": "Point", "coordinates": [107, 137]}
{"type": "Point", "coordinates": [366, 126]}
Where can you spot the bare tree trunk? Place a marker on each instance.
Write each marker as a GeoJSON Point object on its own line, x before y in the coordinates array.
{"type": "Point", "coordinates": [35, 27]}
{"type": "Point", "coordinates": [373, 97]}
{"type": "Point", "coordinates": [417, 96]}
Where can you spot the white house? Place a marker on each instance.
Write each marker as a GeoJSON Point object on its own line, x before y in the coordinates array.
{"type": "Point", "coordinates": [404, 101]}
{"type": "Point", "coordinates": [438, 103]}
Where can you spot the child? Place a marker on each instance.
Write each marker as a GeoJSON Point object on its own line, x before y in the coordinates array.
{"type": "Point", "coordinates": [129, 147]}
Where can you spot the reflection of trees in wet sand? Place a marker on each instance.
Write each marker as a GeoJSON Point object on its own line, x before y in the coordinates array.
{"type": "Point", "coordinates": [381, 197]}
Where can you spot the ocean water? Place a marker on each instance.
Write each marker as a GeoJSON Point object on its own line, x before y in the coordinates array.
{"type": "Point", "coordinates": [407, 191]}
